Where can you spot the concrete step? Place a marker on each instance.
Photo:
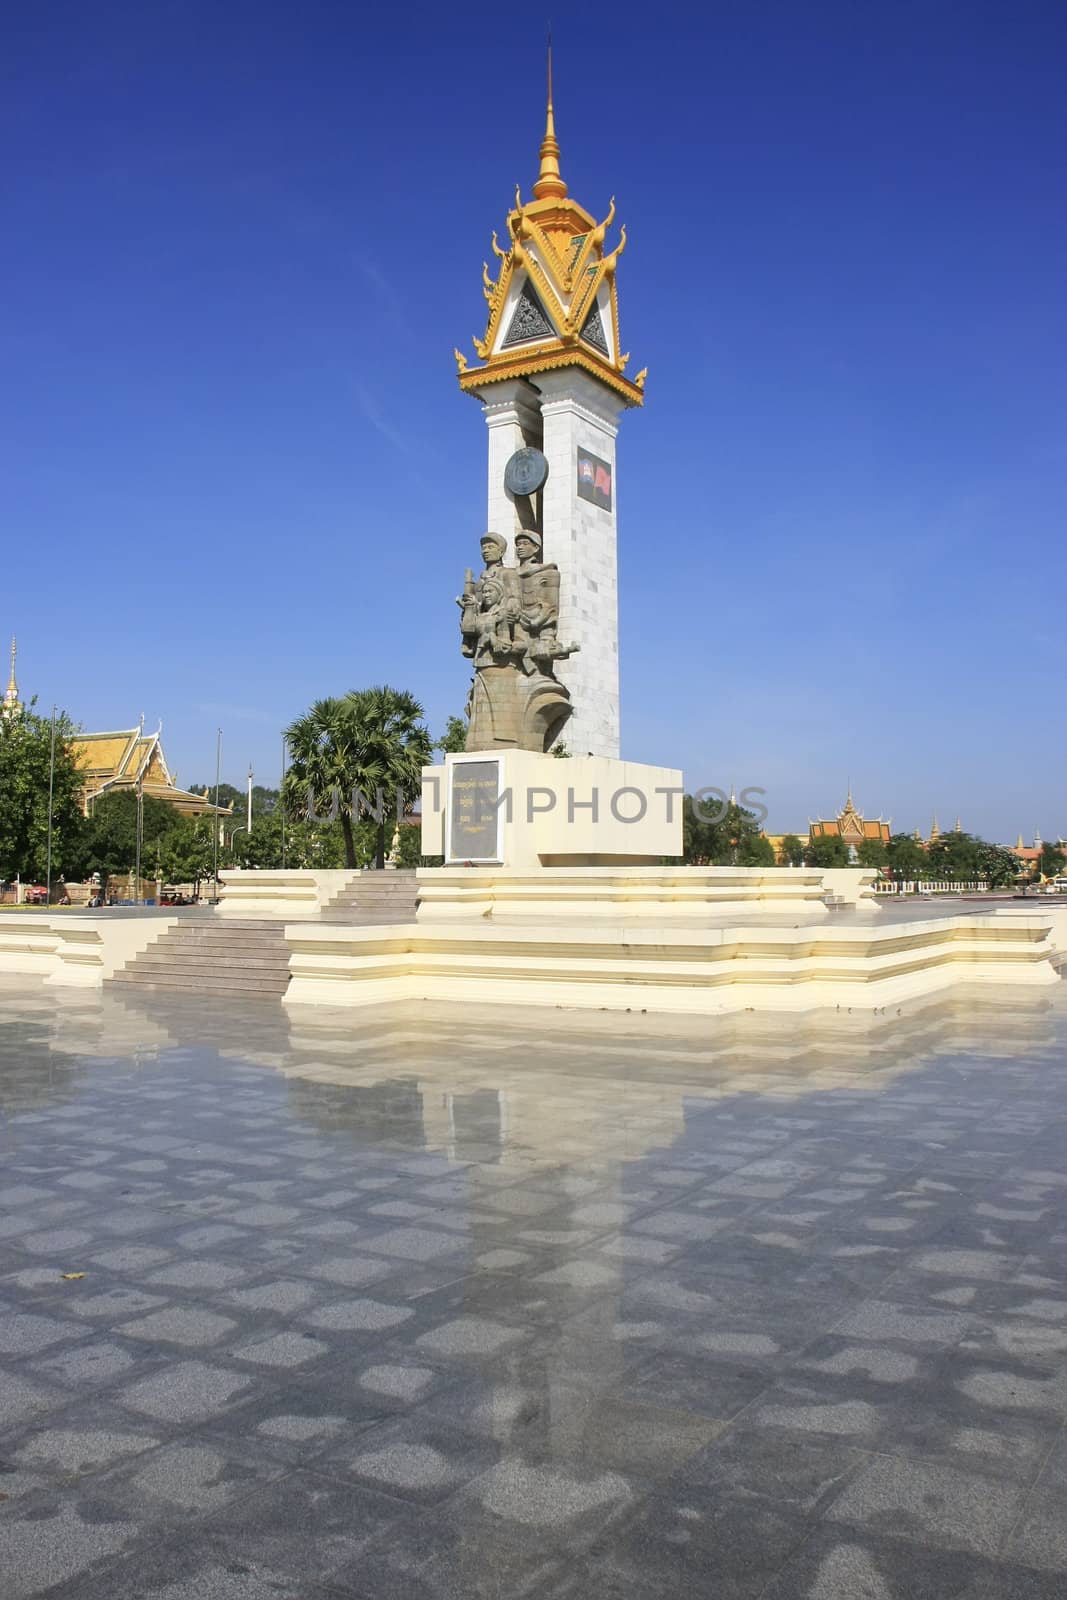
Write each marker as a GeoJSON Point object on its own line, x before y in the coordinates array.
{"type": "Point", "coordinates": [212, 942]}
{"type": "Point", "coordinates": [181, 985]}
{"type": "Point", "coordinates": [207, 954]}
{"type": "Point", "coordinates": [149, 962]}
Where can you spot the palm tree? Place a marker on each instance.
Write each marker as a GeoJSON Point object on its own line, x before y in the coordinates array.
{"type": "Point", "coordinates": [368, 746]}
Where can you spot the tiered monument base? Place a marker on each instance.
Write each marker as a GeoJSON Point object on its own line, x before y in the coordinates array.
{"type": "Point", "coordinates": [867, 963]}
{"type": "Point", "coordinates": [551, 897]}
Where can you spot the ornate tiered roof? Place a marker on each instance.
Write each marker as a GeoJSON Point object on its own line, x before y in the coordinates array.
{"type": "Point", "coordinates": [851, 826]}
{"type": "Point", "coordinates": [554, 302]}
{"type": "Point", "coordinates": [129, 759]}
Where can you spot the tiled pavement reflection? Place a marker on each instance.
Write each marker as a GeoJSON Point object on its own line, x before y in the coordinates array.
{"type": "Point", "coordinates": [518, 1304]}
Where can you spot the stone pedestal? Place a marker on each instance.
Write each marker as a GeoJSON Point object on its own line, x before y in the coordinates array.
{"type": "Point", "coordinates": [518, 808]}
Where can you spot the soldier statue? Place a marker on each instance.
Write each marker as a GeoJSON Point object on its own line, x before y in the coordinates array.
{"type": "Point", "coordinates": [509, 618]}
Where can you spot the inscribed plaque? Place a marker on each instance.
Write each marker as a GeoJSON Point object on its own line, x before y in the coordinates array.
{"type": "Point", "coordinates": [473, 816]}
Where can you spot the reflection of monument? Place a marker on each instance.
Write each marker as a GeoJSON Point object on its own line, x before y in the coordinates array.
{"type": "Point", "coordinates": [508, 620]}
{"type": "Point", "coordinates": [552, 384]}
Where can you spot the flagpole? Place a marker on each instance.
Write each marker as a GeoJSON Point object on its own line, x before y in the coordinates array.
{"type": "Point", "coordinates": [281, 801]}
{"type": "Point", "coordinates": [218, 767]}
{"type": "Point", "coordinates": [51, 791]}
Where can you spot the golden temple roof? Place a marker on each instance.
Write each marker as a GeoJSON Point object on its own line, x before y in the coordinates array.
{"type": "Point", "coordinates": [131, 757]}
{"type": "Point", "coordinates": [554, 302]}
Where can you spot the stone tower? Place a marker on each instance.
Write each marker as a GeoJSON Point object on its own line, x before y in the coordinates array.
{"type": "Point", "coordinates": [552, 385]}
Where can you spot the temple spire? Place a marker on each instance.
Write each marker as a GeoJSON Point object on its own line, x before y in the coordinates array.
{"type": "Point", "coordinates": [550, 185]}
{"type": "Point", "coordinates": [11, 706]}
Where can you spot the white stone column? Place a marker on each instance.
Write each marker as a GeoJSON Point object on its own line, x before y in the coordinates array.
{"type": "Point", "coordinates": [513, 420]}
{"type": "Point", "coordinates": [580, 537]}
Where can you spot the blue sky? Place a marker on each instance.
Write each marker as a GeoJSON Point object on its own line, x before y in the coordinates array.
{"type": "Point", "coordinates": [236, 473]}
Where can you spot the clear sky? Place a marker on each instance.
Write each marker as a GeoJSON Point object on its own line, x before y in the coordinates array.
{"type": "Point", "coordinates": [236, 473]}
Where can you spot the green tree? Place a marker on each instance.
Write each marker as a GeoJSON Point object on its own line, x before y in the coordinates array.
{"type": "Point", "coordinates": [365, 749]}
{"type": "Point", "coordinates": [111, 837]}
{"type": "Point", "coordinates": [1052, 860]}
{"type": "Point", "coordinates": [454, 739]}
{"type": "Point", "coordinates": [996, 864]}
{"type": "Point", "coordinates": [186, 852]}
{"type": "Point", "coordinates": [792, 851]}
{"type": "Point", "coordinates": [25, 757]}
{"type": "Point", "coordinates": [829, 850]}
{"type": "Point", "coordinates": [263, 799]}
{"type": "Point", "coordinates": [953, 858]}
{"type": "Point", "coordinates": [409, 852]}
{"type": "Point", "coordinates": [755, 850]}
{"type": "Point", "coordinates": [718, 834]}
{"type": "Point", "coordinates": [907, 858]}
{"type": "Point", "coordinates": [872, 853]}
{"type": "Point", "coordinates": [316, 846]}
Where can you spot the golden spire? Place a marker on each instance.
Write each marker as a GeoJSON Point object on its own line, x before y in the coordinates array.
{"type": "Point", "coordinates": [549, 184]}
{"type": "Point", "coordinates": [11, 698]}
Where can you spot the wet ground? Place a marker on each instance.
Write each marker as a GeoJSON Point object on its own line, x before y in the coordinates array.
{"type": "Point", "coordinates": [436, 1303]}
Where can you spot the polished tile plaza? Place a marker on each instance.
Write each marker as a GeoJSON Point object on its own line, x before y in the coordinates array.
{"type": "Point", "coordinates": [430, 1304]}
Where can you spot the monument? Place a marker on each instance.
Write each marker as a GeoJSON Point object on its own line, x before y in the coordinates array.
{"type": "Point", "coordinates": [552, 382]}
{"type": "Point", "coordinates": [561, 883]}
{"type": "Point", "coordinates": [541, 631]}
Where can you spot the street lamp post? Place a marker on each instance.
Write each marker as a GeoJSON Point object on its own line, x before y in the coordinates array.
{"type": "Point", "coordinates": [218, 770]}
{"type": "Point", "coordinates": [281, 801]}
{"type": "Point", "coordinates": [51, 790]}
{"type": "Point", "coordinates": [139, 835]}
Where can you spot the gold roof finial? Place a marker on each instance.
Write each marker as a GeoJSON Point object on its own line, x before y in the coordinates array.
{"type": "Point", "coordinates": [549, 185]}
{"type": "Point", "coordinates": [11, 698]}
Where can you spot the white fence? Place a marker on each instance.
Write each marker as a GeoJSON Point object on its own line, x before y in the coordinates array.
{"type": "Point", "coordinates": [928, 886]}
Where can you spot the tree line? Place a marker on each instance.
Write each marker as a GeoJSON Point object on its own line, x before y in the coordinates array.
{"type": "Point", "coordinates": [368, 745]}
{"type": "Point", "coordinates": [955, 857]}
{"type": "Point", "coordinates": [354, 765]}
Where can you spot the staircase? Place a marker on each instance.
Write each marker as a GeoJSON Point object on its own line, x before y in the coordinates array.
{"type": "Point", "coordinates": [213, 955]}
{"type": "Point", "coordinates": [374, 897]}
{"type": "Point", "coordinates": [248, 956]}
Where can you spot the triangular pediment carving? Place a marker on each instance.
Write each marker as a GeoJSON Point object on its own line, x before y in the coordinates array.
{"type": "Point", "coordinates": [529, 320]}
{"type": "Point", "coordinates": [593, 330]}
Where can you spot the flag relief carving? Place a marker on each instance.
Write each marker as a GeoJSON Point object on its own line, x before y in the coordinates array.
{"type": "Point", "coordinates": [594, 479]}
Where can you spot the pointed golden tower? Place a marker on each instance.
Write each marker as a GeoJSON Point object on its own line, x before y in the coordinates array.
{"type": "Point", "coordinates": [554, 303]}
{"type": "Point", "coordinates": [552, 381]}
{"type": "Point", "coordinates": [935, 831]}
{"type": "Point", "coordinates": [12, 706]}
